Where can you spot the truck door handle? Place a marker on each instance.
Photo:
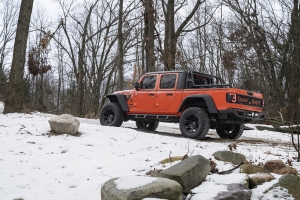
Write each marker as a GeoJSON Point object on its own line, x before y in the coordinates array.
{"type": "Point", "coordinates": [169, 94]}
{"type": "Point", "coordinates": [151, 94]}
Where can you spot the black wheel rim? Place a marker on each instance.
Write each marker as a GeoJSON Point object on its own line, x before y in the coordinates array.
{"type": "Point", "coordinates": [108, 116]}
{"type": "Point", "coordinates": [146, 124]}
{"type": "Point", "coordinates": [191, 123]}
{"type": "Point", "coordinates": [228, 129]}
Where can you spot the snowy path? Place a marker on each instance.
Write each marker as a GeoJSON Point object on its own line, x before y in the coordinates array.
{"type": "Point", "coordinates": [170, 129]}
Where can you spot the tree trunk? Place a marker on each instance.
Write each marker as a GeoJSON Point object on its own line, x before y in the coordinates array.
{"type": "Point", "coordinates": [120, 48]}
{"type": "Point", "coordinates": [171, 35]}
{"type": "Point", "coordinates": [170, 40]}
{"type": "Point", "coordinates": [81, 57]}
{"type": "Point", "coordinates": [149, 35]}
{"type": "Point", "coordinates": [14, 101]}
{"type": "Point", "coordinates": [294, 68]}
{"type": "Point", "coordinates": [41, 97]}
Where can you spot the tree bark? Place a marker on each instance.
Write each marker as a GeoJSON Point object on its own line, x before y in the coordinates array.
{"type": "Point", "coordinates": [14, 101]}
{"type": "Point", "coordinates": [294, 68]}
{"type": "Point", "coordinates": [149, 35]}
{"type": "Point", "coordinates": [120, 48]}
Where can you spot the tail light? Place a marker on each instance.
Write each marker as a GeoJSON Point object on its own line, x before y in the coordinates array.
{"type": "Point", "coordinates": [262, 103]}
{"type": "Point", "coordinates": [231, 97]}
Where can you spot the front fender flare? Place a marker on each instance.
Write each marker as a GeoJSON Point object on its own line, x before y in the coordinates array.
{"type": "Point", "coordinates": [120, 98]}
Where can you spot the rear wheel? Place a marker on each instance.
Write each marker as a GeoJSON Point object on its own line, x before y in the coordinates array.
{"type": "Point", "coordinates": [147, 125]}
{"type": "Point", "coordinates": [230, 131]}
{"type": "Point", "coordinates": [111, 114]}
{"type": "Point", "coordinates": [194, 123]}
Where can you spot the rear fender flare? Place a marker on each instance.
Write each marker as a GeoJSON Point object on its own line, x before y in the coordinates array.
{"type": "Point", "coordinates": [121, 99]}
{"type": "Point", "coordinates": [206, 98]}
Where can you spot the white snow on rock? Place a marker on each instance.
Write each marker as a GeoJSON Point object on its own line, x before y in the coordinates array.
{"type": "Point", "coordinates": [133, 182]}
{"type": "Point", "coordinates": [207, 191]}
{"type": "Point", "coordinates": [228, 178]}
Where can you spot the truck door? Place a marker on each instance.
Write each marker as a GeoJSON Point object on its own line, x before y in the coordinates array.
{"type": "Point", "coordinates": [144, 98]}
{"type": "Point", "coordinates": [167, 97]}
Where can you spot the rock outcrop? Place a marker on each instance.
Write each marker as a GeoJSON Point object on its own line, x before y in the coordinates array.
{"type": "Point", "coordinates": [259, 179]}
{"type": "Point", "coordinates": [189, 173]}
{"type": "Point", "coordinates": [64, 124]}
{"type": "Point", "coordinates": [278, 167]}
{"type": "Point", "coordinates": [286, 188]}
{"type": "Point", "coordinates": [229, 156]}
{"type": "Point", "coordinates": [235, 192]}
{"type": "Point", "coordinates": [140, 187]}
{"type": "Point", "coordinates": [252, 169]}
{"type": "Point", "coordinates": [191, 177]}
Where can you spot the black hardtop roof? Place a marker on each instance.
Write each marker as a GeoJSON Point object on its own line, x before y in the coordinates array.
{"type": "Point", "coordinates": [184, 71]}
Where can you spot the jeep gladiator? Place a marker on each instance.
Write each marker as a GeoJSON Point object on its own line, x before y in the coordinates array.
{"type": "Point", "coordinates": [197, 101]}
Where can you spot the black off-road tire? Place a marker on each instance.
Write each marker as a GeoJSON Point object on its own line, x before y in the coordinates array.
{"type": "Point", "coordinates": [146, 125]}
{"type": "Point", "coordinates": [230, 131]}
{"type": "Point", "coordinates": [111, 114]}
{"type": "Point", "coordinates": [194, 123]}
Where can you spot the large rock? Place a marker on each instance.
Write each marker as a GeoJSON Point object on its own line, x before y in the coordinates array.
{"type": "Point", "coordinates": [140, 187]}
{"type": "Point", "coordinates": [229, 156]}
{"type": "Point", "coordinates": [235, 192]}
{"type": "Point", "coordinates": [278, 167]}
{"type": "Point", "coordinates": [189, 173]}
{"type": "Point", "coordinates": [287, 187]}
{"type": "Point", "coordinates": [225, 192]}
{"type": "Point", "coordinates": [252, 169]}
{"type": "Point", "coordinates": [64, 124]}
{"type": "Point", "coordinates": [259, 179]}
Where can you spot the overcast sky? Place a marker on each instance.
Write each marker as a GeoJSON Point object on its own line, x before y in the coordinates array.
{"type": "Point", "coordinates": [51, 6]}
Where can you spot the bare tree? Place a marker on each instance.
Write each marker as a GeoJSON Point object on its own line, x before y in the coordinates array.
{"type": "Point", "coordinates": [294, 103]}
{"type": "Point", "coordinates": [14, 101]}
{"type": "Point", "coordinates": [171, 33]}
{"type": "Point", "coordinates": [8, 21]}
{"type": "Point", "coordinates": [120, 48]}
{"type": "Point", "coordinates": [149, 20]}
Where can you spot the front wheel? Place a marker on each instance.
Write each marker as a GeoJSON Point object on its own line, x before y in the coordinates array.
{"type": "Point", "coordinates": [111, 114]}
{"type": "Point", "coordinates": [146, 125]}
{"type": "Point", "coordinates": [194, 123]}
{"type": "Point", "coordinates": [230, 131]}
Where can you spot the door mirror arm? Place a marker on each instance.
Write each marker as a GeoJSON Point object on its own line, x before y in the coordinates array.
{"type": "Point", "coordinates": [136, 85]}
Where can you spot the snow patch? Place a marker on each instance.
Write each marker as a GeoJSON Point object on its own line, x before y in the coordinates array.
{"type": "Point", "coordinates": [204, 191]}
{"type": "Point", "coordinates": [258, 192]}
{"type": "Point", "coordinates": [133, 182]}
{"type": "Point", "coordinates": [228, 178]}
{"type": "Point", "coordinates": [277, 193]}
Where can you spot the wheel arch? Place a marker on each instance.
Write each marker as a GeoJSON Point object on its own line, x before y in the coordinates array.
{"type": "Point", "coordinates": [206, 100]}
{"type": "Point", "coordinates": [119, 98]}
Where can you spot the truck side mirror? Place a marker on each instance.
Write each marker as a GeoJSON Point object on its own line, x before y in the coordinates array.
{"type": "Point", "coordinates": [136, 85]}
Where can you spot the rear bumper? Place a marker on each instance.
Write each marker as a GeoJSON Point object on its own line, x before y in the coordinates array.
{"type": "Point", "coordinates": [240, 115]}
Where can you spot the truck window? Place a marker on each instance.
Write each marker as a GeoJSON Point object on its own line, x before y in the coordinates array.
{"type": "Point", "coordinates": [200, 80]}
{"type": "Point", "coordinates": [167, 81]}
{"type": "Point", "coordinates": [148, 82]}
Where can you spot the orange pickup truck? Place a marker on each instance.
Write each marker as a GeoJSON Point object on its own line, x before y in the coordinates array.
{"type": "Point", "coordinates": [196, 101]}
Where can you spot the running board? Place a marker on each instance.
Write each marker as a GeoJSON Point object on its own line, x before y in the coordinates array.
{"type": "Point", "coordinates": [172, 118]}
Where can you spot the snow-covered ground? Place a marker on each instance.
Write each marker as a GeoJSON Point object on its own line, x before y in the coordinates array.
{"type": "Point", "coordinates": [37, 165]}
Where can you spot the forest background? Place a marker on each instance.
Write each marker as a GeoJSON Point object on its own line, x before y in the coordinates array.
{"type": "Point", "coordinates": [94, 47]}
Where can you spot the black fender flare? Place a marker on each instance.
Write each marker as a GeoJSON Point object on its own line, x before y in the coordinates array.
{"type": "Point", "coordinates": [207, 99]}
{"type": "Point", "coordinates": [120, 98]}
